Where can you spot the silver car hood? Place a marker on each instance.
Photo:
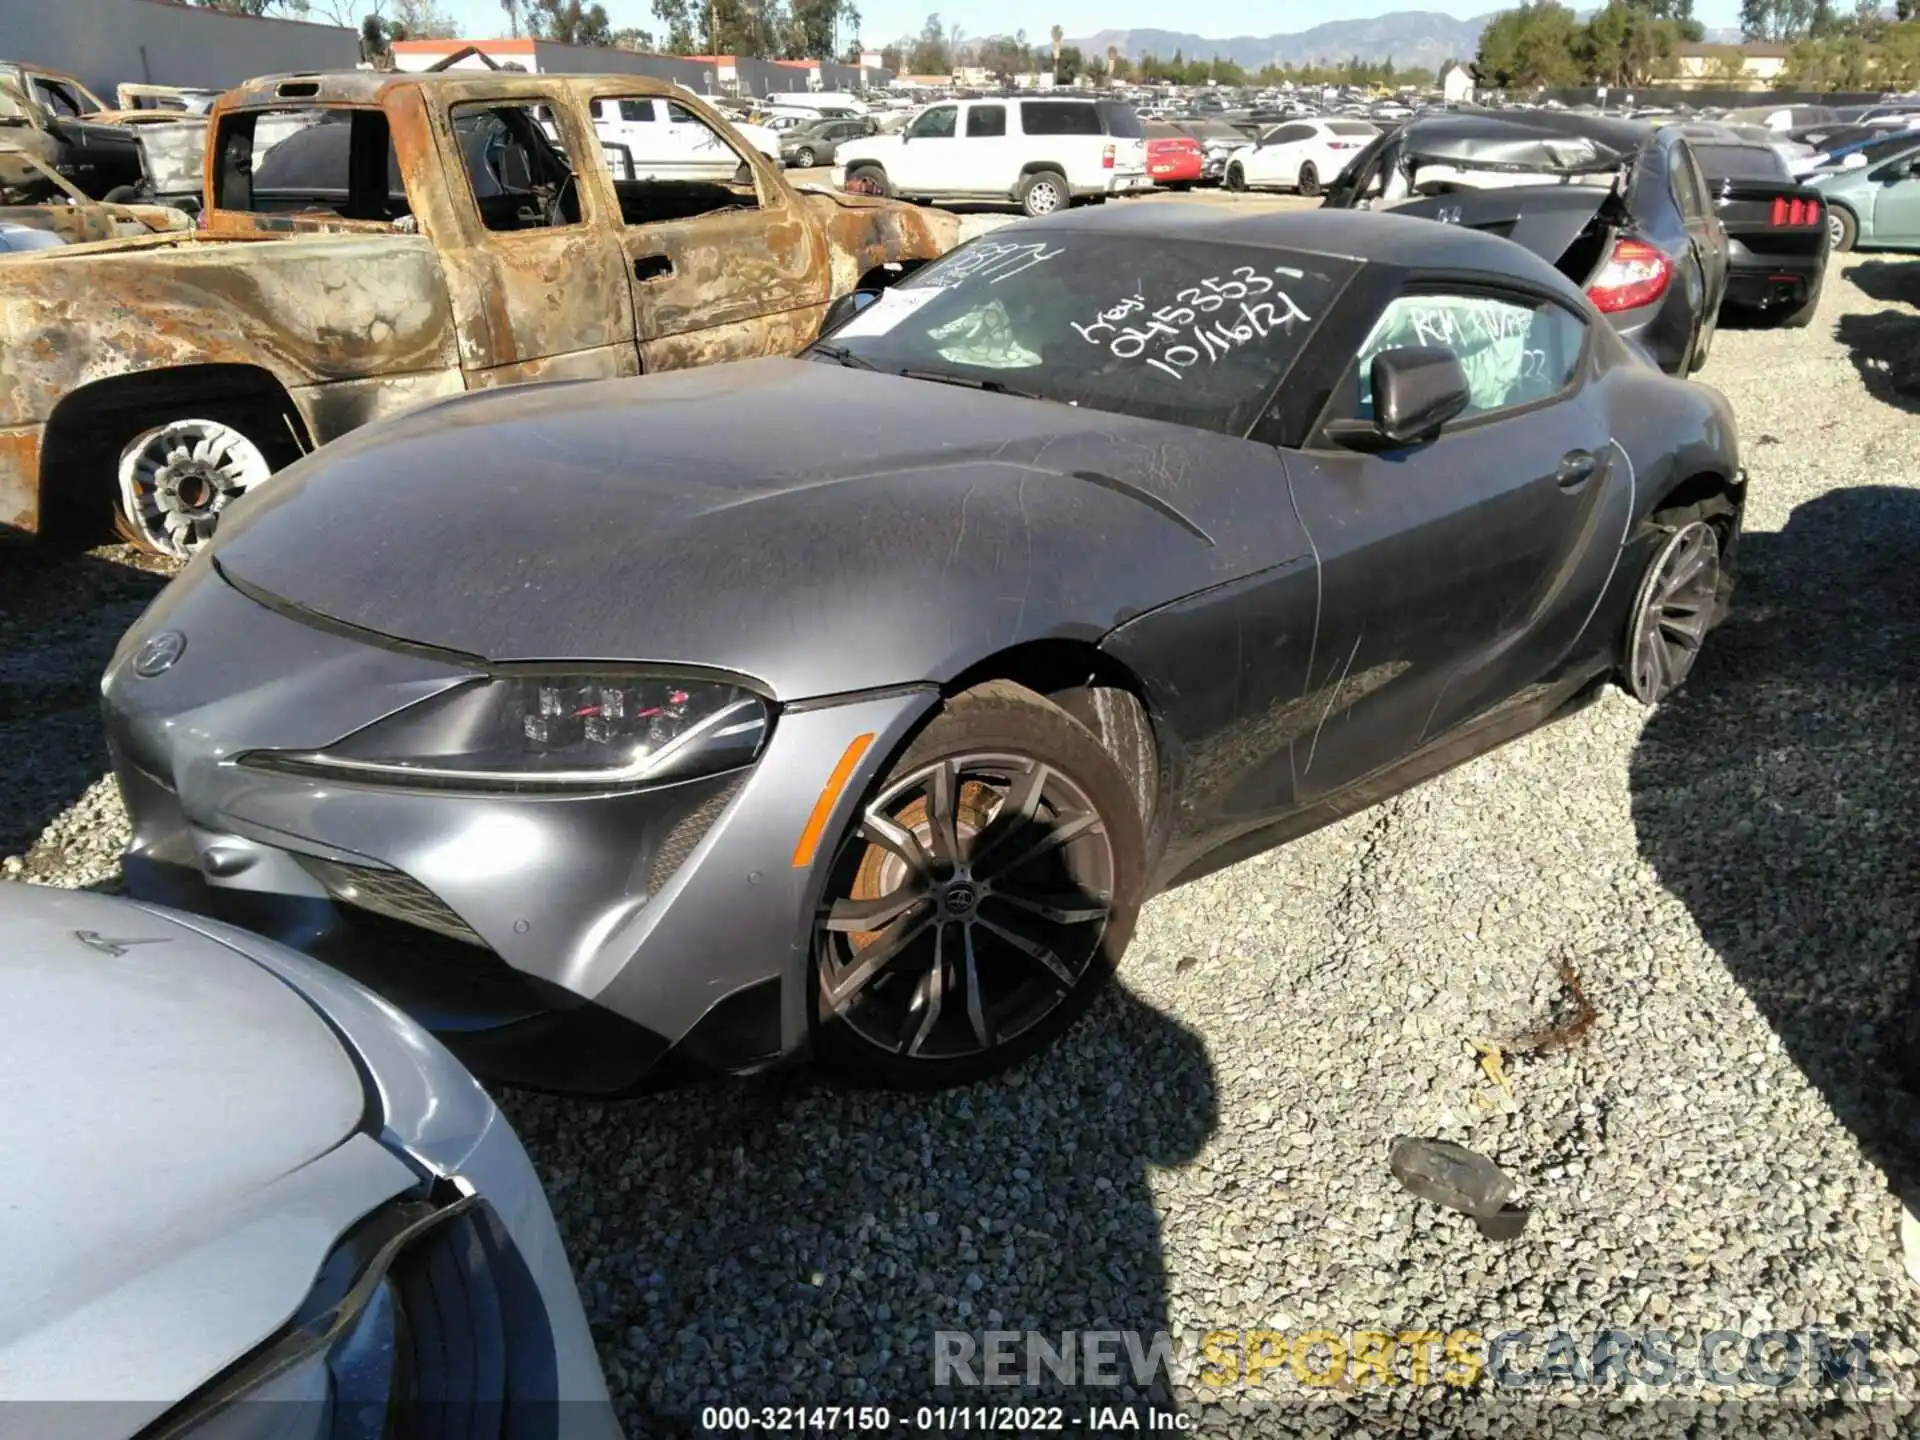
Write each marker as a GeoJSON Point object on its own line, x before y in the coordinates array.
{"type": "Point", "coordinates": [181, 1153]}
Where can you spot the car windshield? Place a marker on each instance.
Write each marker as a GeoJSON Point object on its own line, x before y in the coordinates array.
{"type": "Point", "coordinates": [1740, 162]}
{"type": "Point", "coordinates": [1181, 330]}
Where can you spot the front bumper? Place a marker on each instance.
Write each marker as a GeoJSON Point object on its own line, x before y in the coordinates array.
{"type": "Point", "coordinates": [564, 940]}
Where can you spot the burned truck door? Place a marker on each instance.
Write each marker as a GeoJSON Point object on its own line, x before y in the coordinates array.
{"type": "Point", "coordinates": [723, 262]}
{"type": "Point", "coordinates": [537, 277]}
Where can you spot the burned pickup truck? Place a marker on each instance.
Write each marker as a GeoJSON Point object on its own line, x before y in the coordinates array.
{"type": "Point", "coordinates": [370, 242]}
{"type": "Point", "coordinates": [1619, 207]}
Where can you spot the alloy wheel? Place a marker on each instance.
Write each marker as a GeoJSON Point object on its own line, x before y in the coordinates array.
{"type": "Point", "coordinates": [969, 901]}
{"type": "Point", "coordinates": [1043, 198]}
{"type": "Point", "coordinates": [176, 479]}
{"type": "Point", "coordinates": [1676, 607]}
{"type": "Point", "coordinates": [803, 157]}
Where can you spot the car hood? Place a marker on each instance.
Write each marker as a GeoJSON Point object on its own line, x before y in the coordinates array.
{"type": "Point", "coordinates": [784, 519]}
{"type": "Point", "coordinates": [161, 1090]}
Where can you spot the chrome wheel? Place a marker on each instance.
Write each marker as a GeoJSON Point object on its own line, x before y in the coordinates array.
{"type": "Point", "coordinates": [175, 480]}
{"type": "Point", "coordinates": [1674, 611]}
{"type": "Point", "coordinates": [1043, 197]}
{"type": "Point", "coordinates": [969, 901]}
{"type": "Point", "coordinates": [803, 157]}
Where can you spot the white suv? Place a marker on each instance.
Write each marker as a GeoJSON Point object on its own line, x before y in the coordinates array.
{"type": "Point", "coordinates": [1044, 154]}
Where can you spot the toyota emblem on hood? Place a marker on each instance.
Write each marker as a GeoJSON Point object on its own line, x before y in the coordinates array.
{"type": "Point", "coordinates": [160, 654]}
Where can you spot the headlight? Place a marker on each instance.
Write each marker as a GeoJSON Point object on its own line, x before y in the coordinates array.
{"type": "Point", "coordinates": [552, 731]}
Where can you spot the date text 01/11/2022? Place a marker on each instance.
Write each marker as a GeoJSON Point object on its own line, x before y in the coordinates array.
{"type": "Point", "coordinates": [940, 1419]}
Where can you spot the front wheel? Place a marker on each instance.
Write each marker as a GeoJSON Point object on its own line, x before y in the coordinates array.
{"type": "Point", "coordinates": [1678, 603]}
{"type": "Point", "coordinates": [1043, 193]}
{"type": "Point", "coordinates": [1842, 229]}
{"type": "Point", "coordinates": [868, 180]}
{"type": "Point", "coordinates": [803, 157]}
{"type": "Point", "coordinates": [987, 888]}
{"type": "Point", "coordinates": [1309, 179]}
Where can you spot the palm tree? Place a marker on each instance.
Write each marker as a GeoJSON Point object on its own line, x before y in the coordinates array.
{"type": "Point", "coordinates": [1057, 34]}
{"type": "Point", "coordinates": [512, 7]}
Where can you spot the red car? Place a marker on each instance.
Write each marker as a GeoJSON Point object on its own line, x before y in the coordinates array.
{"type": "Point", "coordinates": [1174, 158]}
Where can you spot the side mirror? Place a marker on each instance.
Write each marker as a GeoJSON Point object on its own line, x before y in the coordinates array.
{"type": "Point", "coordinates": [845, 308]}
{"type": "Point", "coordinates": [1416, 390]}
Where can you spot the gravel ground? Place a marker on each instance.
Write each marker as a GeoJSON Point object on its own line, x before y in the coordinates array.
{"type": "Point", "coordinates": [1729, 880]}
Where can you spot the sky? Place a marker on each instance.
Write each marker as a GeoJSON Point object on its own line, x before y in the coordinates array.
{"type": "Point", "coordinates": [886, 20]}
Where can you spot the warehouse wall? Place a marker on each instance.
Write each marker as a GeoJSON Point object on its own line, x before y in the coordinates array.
{"type": "Point", "coordinates": [107, 41]}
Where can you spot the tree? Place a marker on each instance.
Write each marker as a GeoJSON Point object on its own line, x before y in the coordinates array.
{"type": "Point", "coordinates": [677, 15]}
{"type": "Point", "coordinates": [569, 22]}
{"type": "Point", "coordinates": [254, 7]}
{"type": "Point", "coordinates": [512, 7]}
{"type": "Point", "coordinates": [1532, 46]}
{"type": "Point", "coordinates": [1626, 44]}
{"type": "Point", "coordinates": [930, 54]}
{"type": "Point", "coordinates": [1057, 32]}
{"type": "Point", "coordinates": [1067, 63]}
{"type": "Point", "coordinates": [1728, 67]}
{"type": "Point", "coordinates": [812, 26]}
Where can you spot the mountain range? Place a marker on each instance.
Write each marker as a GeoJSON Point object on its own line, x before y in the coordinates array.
{"type": "Point", "coordinates": [1406, 37]}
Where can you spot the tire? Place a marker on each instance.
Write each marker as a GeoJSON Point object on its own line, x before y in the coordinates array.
{"type": "Point", "coordinates": [1309, 180]}
{"type": "Point", "coordinates": [1236, 178]}
{"type": "Point", "coordinates": [1842, 229]}
{"type": "Point", "coordinates": [177, 470]}
{"type": "Point", "coordinates": [1682, 596]}
{"type": "Point", "coordinates": [122, 195]}
{"type": "Point", "coordinates": [896, 1025]}
{"type": "Point", "coordinates": [803, 158]}
{"type": "Point", "coordinates": [1044, 192]}
{"type": "Point", "coordinates": [868, 180]}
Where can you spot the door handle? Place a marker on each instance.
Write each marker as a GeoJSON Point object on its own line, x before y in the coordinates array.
{"type": "Point", "coordinates": [1576, 468]}
{"type": "Point", "coordinates": [652, 267]}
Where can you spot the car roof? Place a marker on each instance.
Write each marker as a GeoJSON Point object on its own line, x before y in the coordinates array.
{"type": "Point", "coordinates": [1457, 126]}
{"type": "Point", "coordinates": [1370, 236]}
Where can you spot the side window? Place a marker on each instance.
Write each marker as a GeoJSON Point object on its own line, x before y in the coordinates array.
{"type": "Point", "coordinates": [57, 97]}
{"type": "Point", "coordinates": [1058, 117]}
{"type": "Point", "coordinates": [311, 161]}
{"type": "Point", "coordinates": [1287, 134]}
{"type": "Point", "coordinates": [986, 122]}
{"type": "Point", "coordinates": [1513, 351]}
{"type": "Point", "coordinates": [934, 124]}
{"type": "Point", "coordinates": [517, 172]}
{"type": "Point", "coordinates": [1680, 180]}
{"type": "Point", "coordinates": [675, 171]}
{"type": "Point", "coordinates": [634, 112]}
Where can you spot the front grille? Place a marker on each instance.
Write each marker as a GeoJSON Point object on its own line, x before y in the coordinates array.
{"type": "Point", "coordinates": [392, 894]}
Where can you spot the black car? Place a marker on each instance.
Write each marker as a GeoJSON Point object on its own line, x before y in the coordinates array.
{"type": "Point", "coordinates": [660, 708]}
{"type": "Point", "coordinates": [1627, 214]}
{"type": "Point", "coordinates": [1776, 228]}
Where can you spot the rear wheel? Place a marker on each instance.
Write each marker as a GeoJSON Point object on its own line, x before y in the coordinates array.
{"type": "Point", "coordinates": [987, 889]}
{"type": "Point", "coordinates": [868, 180]}
{"type": "Point", "coordinates": [1043, 193]}
{"type": "Point", "coordinates": [1842, 229]}
{"type": "Point", "coordinates": [803, 158]}
{"type": "Point", "coordinates": [178, 474]}
{"type": "Point", "coordinates": [1679, 601]}
{"type": "Point", "coordinates": [1309, 179]}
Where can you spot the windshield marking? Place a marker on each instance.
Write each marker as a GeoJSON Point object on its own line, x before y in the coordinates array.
{"type": "Point", "coordinates": [1203, 338]}
{"type": "Point", "coordinates": [997, 259]}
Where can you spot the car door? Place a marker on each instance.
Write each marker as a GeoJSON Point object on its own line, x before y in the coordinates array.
{"type": "Point", "coordinates": [987, 165]}
{"type": "Point", "coordinates": [721, 261]}
{"type": "Point", "coordinates": [1706, 236]}
{"type": "Point", "coordinates": [1896, 202]}
{"type": "Point", "coordinates": [1458, 571]}
{"type": "Point", "coordinates": [1277, 161]}
{"type": "Point", "coordinates": [923, 165]}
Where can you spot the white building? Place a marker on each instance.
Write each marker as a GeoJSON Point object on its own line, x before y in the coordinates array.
{"type": "Point", "coordinates": [1456, 83]}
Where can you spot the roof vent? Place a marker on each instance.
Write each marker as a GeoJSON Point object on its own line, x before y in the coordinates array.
{"type": "Point", "coordinates": [296, 89]}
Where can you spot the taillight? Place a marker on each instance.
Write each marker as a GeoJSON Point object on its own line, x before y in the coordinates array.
{"type": "Point", "coordinates": [1795, 212]}
{"type": "Point", "coordinates": [1106, 158]}
{"type": "Point", "coordinates": [1635, 274]}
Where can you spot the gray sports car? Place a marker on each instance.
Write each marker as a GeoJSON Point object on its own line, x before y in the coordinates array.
{"type": "Point", "coordinates": [853, 704]}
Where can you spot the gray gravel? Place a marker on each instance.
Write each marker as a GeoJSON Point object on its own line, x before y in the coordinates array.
{"type": "Point", "coordinates": [1730, 878]}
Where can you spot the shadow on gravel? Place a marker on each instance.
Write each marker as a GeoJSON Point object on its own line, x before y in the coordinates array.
{"type": "Point", "coordinates": [1893, 282]}
{"type": "Point", "coordinates": [781, 1241]}
{"type": "Point", "coordinates": [1885, 349]}
{"type": "Point", "coordinates": [61, 613]}
{"type": "Point", "coordinates": [1776, 796]}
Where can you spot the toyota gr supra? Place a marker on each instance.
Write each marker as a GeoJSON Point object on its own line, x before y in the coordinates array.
{"type": "Point", "coordinates": [852, 704]}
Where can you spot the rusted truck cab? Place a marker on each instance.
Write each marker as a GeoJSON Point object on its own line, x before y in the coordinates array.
{"type": "Point", "coordinates": [370, 242]}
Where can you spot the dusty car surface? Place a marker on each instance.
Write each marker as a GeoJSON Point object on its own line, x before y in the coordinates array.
{"type": "Point", "coordinates": [403, 238]}
{"type": "Point", "coordinates": [744, 739]}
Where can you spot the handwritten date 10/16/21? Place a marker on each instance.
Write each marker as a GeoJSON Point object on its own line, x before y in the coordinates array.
{"type": "Point", "coordinates": [1197, 326]}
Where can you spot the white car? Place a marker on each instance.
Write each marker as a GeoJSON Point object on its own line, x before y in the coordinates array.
{"type": "Point", "coordinates": [1300, 155]}
{"type": "Point", "coordinates": [667, 141]}
{"type": "Point", "coordinates": [1043, 154]}
{"type": "Point", "coordinates": [234, 1177]}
